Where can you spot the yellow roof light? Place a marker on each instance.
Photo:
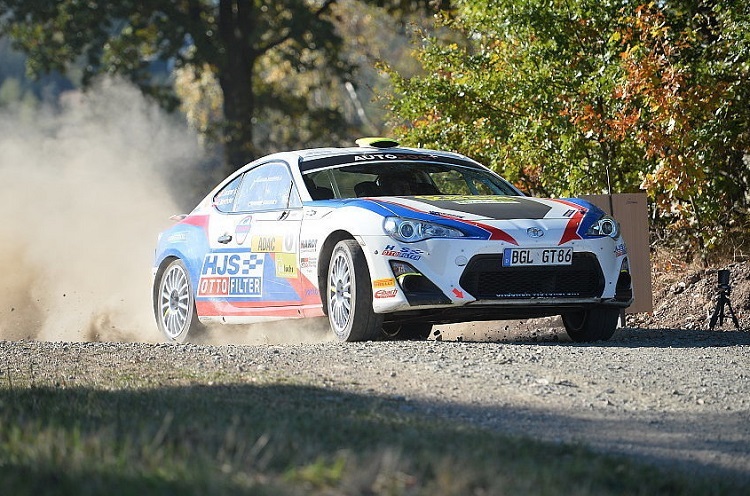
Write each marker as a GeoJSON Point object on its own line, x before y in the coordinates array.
{"type": "Point", "coordinates": [377, 142]}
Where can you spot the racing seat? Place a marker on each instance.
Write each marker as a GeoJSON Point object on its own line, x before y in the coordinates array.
{"type": "Point", "coordinates": [367, 188]}
{"type": "Point", "coordinates": [405, 185]}
{"type": "Point", "coordinates": [320, 193]}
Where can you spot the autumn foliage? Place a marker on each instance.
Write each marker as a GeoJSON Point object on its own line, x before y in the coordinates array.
{"type": "Point", "coordinates": [579, 96]}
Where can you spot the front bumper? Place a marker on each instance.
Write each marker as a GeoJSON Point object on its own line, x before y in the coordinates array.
{"type": "Point", "coordinates": [458, 280]}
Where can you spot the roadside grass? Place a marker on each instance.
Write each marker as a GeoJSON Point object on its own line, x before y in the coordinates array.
{"type": "Point", "coordinates": [218, 435]}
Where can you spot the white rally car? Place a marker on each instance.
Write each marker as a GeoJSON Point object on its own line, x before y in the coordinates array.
{"type": "Point", "coordinates": [386, 241]}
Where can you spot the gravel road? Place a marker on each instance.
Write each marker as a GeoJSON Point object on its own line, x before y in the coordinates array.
{"type": "Point", "coordinates": [679, 398]}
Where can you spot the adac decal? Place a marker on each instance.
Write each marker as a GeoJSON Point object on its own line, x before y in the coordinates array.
{"type": "Point", "coordinates": [286, 265]}
{"type": "Point", "coordinates": [273, 244]}
{"type": "Point", "coordinates": [266, 244]}
{"type": "Point", "coordinates": [388, 282]}
{"type": "Point", "coordinates": [238, 274]}
{"type": "Point", "coordinates": [403, 252]}
{"type": "Point", "coordinates": [386, 293]}
{"type": "Point", "coordinates": [243, 229]}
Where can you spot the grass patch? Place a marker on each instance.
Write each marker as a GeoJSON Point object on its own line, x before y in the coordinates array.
{"type": "Point", "coordinates": [280, 438]}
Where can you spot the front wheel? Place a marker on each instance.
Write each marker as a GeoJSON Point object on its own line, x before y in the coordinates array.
{"type": "Point", "coordinates": [349, 294]}
{"type": "Point", "coordinates": [174, 304]}
{"type": "Point", "coordinates": [594, 324]}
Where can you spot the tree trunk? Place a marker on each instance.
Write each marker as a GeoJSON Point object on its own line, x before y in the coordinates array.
{"type": "Point", "coordinates": [236, 65]}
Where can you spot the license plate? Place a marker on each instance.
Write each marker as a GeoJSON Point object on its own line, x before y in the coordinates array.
{"type": "Point", "coordinates": [523, 257]}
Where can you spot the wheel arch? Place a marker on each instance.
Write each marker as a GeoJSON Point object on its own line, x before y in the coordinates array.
{"type": "Point", "coordinates": [324, 258]}
{"type": "Point", "coordinates": [157, 277]}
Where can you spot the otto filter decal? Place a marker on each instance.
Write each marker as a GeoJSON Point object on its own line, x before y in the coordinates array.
{"type": "Point", "coordinates": [231, 275]}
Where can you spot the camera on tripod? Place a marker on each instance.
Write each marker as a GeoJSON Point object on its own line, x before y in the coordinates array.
{"type": "Point", "coordinates": [725, 288]}
{"type": "Point", "coordinates": [724, 277]}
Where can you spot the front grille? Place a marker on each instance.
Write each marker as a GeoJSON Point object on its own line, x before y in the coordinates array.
{"type": "Point", "coordinates": [486, 278]}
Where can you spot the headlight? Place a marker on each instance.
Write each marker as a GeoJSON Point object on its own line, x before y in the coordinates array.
{"type": "Point", "coordinates": [410, 230]}
{"type": "Point", "coordinates": [606, 226]}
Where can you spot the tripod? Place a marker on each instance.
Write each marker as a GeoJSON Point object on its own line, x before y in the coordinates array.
{"type": "Point", "coordinates": [723, 301]}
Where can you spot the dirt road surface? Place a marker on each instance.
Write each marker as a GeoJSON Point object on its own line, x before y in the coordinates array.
{"type": "Point", "coordinates": [677, 398]}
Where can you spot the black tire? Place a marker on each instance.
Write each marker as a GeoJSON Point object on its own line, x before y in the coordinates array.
{"type": "Point", "coordinates": [174, 304]}
{"type": "Point", "coordinates": [595, 324]}
{"type": "Point", "coordinates": [349, 294]}
{"type": "Point", "coordinates": [412, 332]}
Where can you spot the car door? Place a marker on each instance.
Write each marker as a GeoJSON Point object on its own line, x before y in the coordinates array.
{"type": "Point", "coordinates": [252, 270]}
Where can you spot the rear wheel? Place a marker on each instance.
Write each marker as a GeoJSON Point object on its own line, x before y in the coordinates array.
{"type": "Point", "coordinates": [595, 324]}
{"type": "Point", "coordinates": [174, 304]}
{"type": "Point", "coordinates": [349, 294]}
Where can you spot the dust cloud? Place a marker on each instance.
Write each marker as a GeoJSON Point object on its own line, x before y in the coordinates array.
{"type": "Point", "coordinates": [85, 187]}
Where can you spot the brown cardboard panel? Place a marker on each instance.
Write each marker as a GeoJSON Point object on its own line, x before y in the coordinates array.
{"type": "Point", "coordinates": [631, 211]}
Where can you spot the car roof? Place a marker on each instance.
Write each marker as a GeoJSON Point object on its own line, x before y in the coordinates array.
{"type": "Point", "coordinates": [318, 158]}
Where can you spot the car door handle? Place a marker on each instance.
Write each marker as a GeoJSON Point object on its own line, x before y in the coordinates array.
{"type": "Point", "coordinates": [225, 238]}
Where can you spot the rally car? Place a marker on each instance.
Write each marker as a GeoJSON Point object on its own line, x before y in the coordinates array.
{"type": "Point", "coordinates": [387, 241]}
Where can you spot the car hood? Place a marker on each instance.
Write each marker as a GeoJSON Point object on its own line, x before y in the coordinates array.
{"type": "Point", "coordinates": [488, 208]}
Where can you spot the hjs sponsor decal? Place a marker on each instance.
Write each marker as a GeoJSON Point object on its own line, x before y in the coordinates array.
{"type": "Point", "coordinates": [230, 286]}
{"type": "Point", "coordinates": [231, 274]}
{"type": "Point", "coordinates": [410, 253]}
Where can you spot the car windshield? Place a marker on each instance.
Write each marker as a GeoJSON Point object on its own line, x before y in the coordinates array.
{"type": "Point", "coordinates": [403, 179]}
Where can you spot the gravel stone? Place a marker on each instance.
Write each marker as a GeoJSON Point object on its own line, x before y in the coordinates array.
{"type": "Point", "coordinates": [677, 398]}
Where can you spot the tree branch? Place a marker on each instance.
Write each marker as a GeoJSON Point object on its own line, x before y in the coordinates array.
{"type": "Point", "coordinates": [286, 36]}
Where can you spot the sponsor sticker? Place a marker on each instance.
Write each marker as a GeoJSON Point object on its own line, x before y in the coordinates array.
{"type": "Point", "coordinates": [177, 237]}
{"type": "Point", "coordinates": [266, 244]}
{"type": "Point", "coordinates": [308, 245]}
{"type": "Point", "coordinates": [402, 252]}
{"type": "Point", "coordinates": [384, 283]}
{"type": "Point", "coordinates": [286, 265]}
{"type": "Point", "coordinates": [243, 229]}
{"type": "Point", "coordinates": [393, 156]}
{"type": "Point", "coordinates": [621, 250]}
{"type": "Point", "coordinates": [308, 262]}
{"type": "Point", "coordinates": [273, 244]}
{"type": "Point", "coordinates": [230, 286]}
{"type": "Point", "coordinates": [230, 274]}
{"type": "Point", "coordinates": [386, 293]}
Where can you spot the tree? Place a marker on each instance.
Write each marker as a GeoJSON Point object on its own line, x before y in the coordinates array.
{"type": "Point", "coordinates": [231, 40]}
{"type": "Point", "coordinates": [567, 97]}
